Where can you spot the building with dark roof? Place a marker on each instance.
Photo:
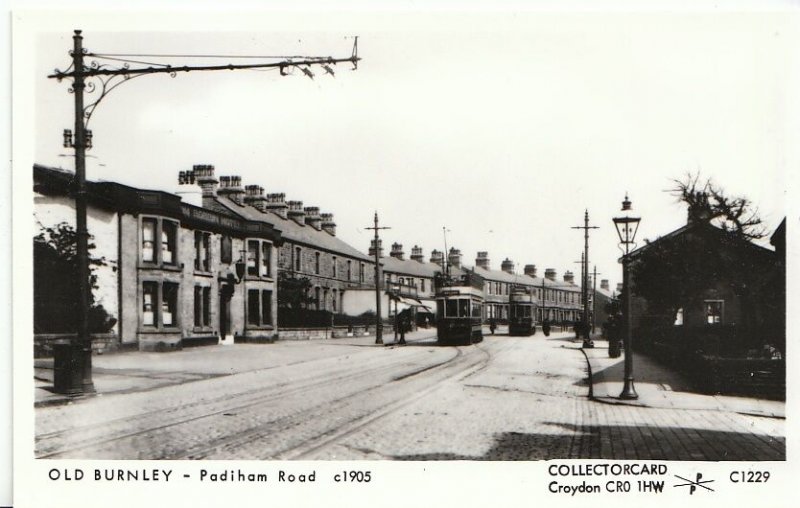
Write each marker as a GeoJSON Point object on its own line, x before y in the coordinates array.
{"type": "Point", "coordinates": [172, 274]}
{"type": "Point", "coordinates": [704, 281]}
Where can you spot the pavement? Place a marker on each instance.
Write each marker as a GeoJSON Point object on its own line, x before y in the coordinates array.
{"type": "Point", "coordinates": [660, 387]}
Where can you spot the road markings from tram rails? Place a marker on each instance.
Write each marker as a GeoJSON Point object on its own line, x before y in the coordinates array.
{"type": "Point", "coordinates": [48, 448]}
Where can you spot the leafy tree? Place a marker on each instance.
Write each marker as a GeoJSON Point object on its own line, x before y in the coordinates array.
{"type": "Point", "coordinates": [294, 293]}
{"type": "Point", "coordinates": [55, 284]}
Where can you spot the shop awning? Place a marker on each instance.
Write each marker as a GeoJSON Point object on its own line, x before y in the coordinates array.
{"type": "Point", "coordinates": [412, 302]}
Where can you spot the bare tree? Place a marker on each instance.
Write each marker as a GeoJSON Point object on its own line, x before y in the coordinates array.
{"type": "Point", "coordinates": [708, 201]}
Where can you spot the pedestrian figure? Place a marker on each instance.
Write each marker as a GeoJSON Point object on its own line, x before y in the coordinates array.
{"type": "Point", "coordinates": [546, 327]}
{"type": "Point", "coordinates": [405, 323]}
{"type": "Point", "coordinates": [492, 325]}
{"type": "Point", "coordinates": [614, 331]}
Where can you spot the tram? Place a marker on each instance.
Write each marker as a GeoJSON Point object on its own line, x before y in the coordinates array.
{"type": "Point", "coordinates": [521, 312]}
{"type": "Point", "coordinates": [459, 309]}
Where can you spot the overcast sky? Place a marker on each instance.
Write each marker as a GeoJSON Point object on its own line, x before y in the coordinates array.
{"type": "Point", "coordinates": [502, 127]}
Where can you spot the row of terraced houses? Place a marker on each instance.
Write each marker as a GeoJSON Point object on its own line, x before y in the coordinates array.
{"type": "Point", "coordinates": [175, 274]}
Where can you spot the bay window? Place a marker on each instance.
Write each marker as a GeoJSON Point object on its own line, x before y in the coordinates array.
{"type": "Point", "coordinates": [259, 307]}
{"type": "Point", "coordinates": [159, 304]}
{"type": "Point", "coordinates": [159, 241]}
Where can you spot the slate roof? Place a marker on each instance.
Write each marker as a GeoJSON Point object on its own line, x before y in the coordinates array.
{"type": "Point", "coordinates": [294, 232]}
{"type": "Point", "coordinates": [410, 267]}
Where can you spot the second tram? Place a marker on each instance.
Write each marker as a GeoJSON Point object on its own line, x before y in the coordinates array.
{"type": "Point", "coordinates": [521, 313]}
{"type": "Point", "coordinates": [459, 309]}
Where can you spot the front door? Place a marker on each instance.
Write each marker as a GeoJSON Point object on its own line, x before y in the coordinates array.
{"type": "Point", "coordinates": [225, 293]}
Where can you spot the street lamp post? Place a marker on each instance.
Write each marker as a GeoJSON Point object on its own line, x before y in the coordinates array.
{"type": "Point", "coordinates": [627, 226]}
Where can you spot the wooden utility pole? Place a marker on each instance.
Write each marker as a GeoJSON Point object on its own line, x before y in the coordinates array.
{"type": "Point", "coordinates": [378, 276]}
{"type": "Point", "coordinates": [587, 341]}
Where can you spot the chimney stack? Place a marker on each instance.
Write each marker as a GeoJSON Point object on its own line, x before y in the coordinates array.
{"type": "Point", "coordinates": [276, 203]}
{"type": "Point", "coordinates": [312, 217]}
{"type": "Point", "coordinates": [604, 284]}
{"type": "Point", "coordinates": [328, 225]}
{"type": "Point", "coordinates": [416, 254]}
{"type": "Point", "coordinates": [483, 260]}
{"type": "Point", "coordinates": [437, 257]}
{"type": "Point", "coordinates": [569, 277]}
{"type": "Point", "coordinates": [231, 187]}
{"type": "Point", "coordinates": [530, 271]}
{"type": "Point", "coordinates": [397, 251]}
{"type": "Point", "coordinates": [254, 196]}
{"type": "Point", "coordinates": [507, 266]}
{"type": "Point", "coordinates": [454, 258]}
{"type": "Point", "coordinates": [699, 212]}
{"type": "Point", "coordinates": [296, 212]}
{"type": "Point", "coordinates": [372, 248]}
{"type": "Point", "coordinates": [550, 273]}
{"type": "Point", "coordinates": [204, 176]}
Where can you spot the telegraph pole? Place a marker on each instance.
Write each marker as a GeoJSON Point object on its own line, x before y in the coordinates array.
{"type": "Point", "coordinates": [583, 266]}
{"type": "Point", "coordinates": [378, 319]}
{"type": "Point", "coordinates": [594, 296]}
{"type": "Point", "coordinates": [587, 342]}
{"type": "Point", "coordinates": [75, 373]}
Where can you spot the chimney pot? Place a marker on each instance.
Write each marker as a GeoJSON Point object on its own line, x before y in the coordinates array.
{"type": "Point", "coordinates": [276, 203]}
{"type": "Point", "coordinates": [296, 212]}
{"type": "Point", "coordinates": [204, 176]}
{"type": "Point", "coordinates": [328, 223]}
{"type": "Point", "coordinates": [454, 258]}
{"type": "Point", "coordinates": [482, 260]}
{"type": "Point", "coordinates": [231, 186]}
{"type": "Point", "coordinates": [313, 218]}
{"type": "Point", "coordinates": [372, 247]}
{"type": "Point", "coordinates": [437, 257]}
{"type": "Point", "coordinates": [397, 251]}
{"type": "Point", "coordinates": [416, 254]}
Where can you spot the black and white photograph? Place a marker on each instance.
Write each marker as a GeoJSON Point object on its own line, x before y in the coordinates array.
{"type": "Point", "coordinates": [389, 256]}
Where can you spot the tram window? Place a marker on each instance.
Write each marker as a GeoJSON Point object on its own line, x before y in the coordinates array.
{"type": "Point", "coordinates": [440, 308]}
{"type": "Point", "coordinates": [452, 308]}
{"type": "Point", "coordinates": [476, 309]}
{"type": "Point", "coordinates": [463, 308]}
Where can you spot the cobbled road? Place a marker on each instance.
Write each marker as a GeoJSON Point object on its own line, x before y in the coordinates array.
{"type": "Point", "coordinates": [503, 399]}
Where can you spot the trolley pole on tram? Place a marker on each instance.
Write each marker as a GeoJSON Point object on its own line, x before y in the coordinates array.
{"type": "Point", "coordinates": [587, 341]}
{"type": "Point", "coordinates": [378, 276]}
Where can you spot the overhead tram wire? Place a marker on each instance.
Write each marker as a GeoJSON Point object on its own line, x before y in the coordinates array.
{"type": "Point", "coordinates": [164, 55]}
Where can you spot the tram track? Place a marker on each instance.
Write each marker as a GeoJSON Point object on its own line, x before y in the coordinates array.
{"type": "Point", "coordinates": [252, 429]}
{"type": "Point", "coordinates": [294, 421]}
{"type": "Point", "coordinates": [232, 446]}
{"type": "Point", "coordinates": [85, 437]}
{"type": "Point", "coordinates": [309, 449]}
